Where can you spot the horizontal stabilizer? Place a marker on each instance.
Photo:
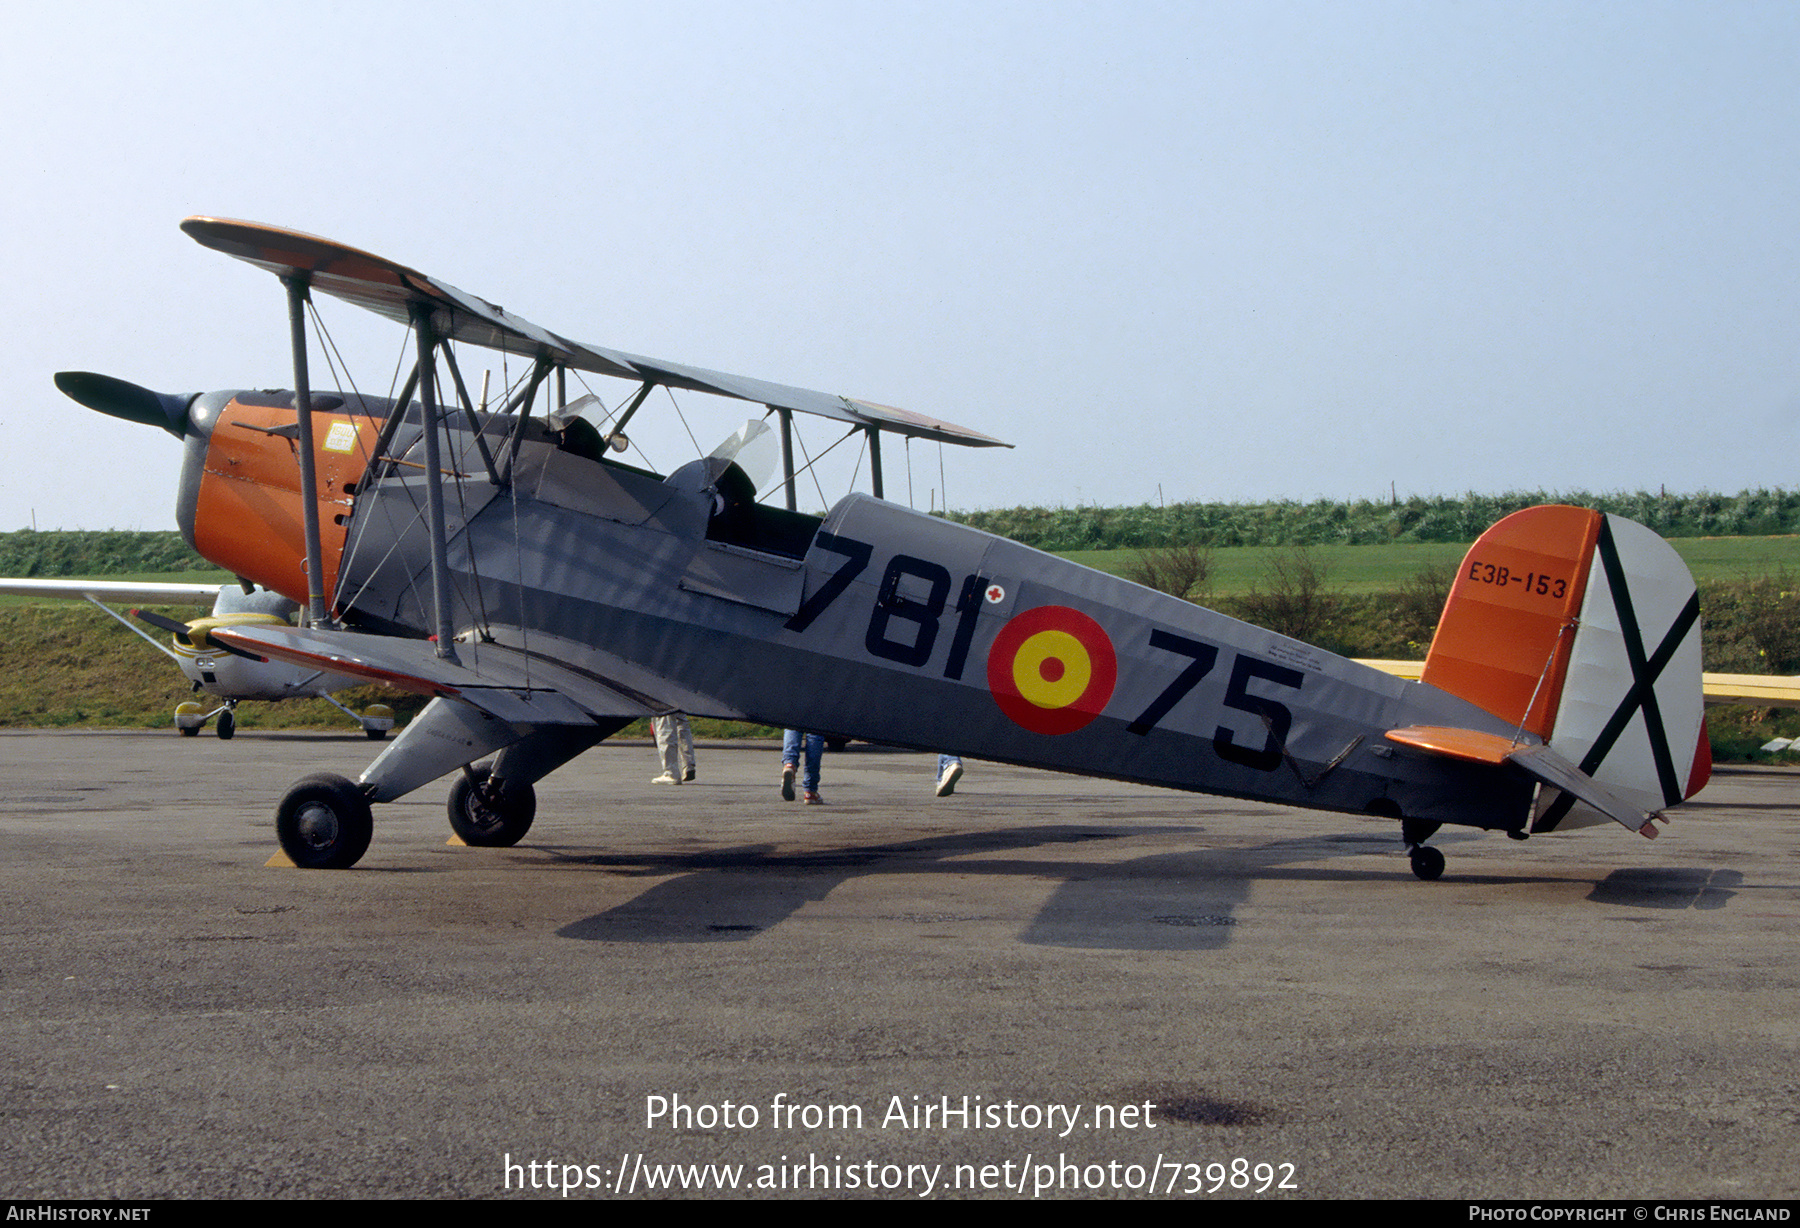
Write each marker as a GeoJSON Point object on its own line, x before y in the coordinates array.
{"type": "Point", "coordinates": [1534, 759]}
{"type": "Point", "coordinates": [514, 686]}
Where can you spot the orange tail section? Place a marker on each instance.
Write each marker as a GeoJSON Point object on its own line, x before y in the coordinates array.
{"type": "Point", "coordinates": [1582, 629]}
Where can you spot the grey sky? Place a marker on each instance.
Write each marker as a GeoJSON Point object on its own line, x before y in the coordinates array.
{"type": "Point", "coordinates": [1231, 251]}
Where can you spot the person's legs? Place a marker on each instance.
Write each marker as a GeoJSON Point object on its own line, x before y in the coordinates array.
{"type": "Point", "coordinates": [684, 740]}
{"type": "Point", "coordinates": [664, 729]}
{"type": "Point", "coordinates": [950, 770]}
{"type": "Point", "coordinates": [790, 761]}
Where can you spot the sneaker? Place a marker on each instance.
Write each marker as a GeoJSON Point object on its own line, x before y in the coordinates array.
{"type": "Point", "coordinates": [947, 782]}
{"type": "Point", "coordinates": [687, 777]}
{"type": "Point", "coordinates": [665, 779]}
{"type": "Point", "coordinates": [787, 782]}
{"type": "Point", "coordinates": [813, 798]}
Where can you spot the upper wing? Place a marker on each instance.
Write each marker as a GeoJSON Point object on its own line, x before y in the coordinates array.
{"type": "Point", "coordinates": [511, 685]}
{"type": "Point", "coordinates": [114, 590]}
{"type": "Point", "coordinates": [393, 290]}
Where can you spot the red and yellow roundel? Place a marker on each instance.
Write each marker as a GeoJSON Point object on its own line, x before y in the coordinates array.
{"type": "Point", "coordinates": [1052, 669]}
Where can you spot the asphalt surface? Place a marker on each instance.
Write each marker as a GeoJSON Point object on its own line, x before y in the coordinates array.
{"type": "Point", "coordinates": [658, 977]}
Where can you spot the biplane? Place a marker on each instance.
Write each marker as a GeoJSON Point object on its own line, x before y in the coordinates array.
{"type": "Point", "coordinates": [228, 676]}
{"type": "Point", "coordinates": [508, 563]}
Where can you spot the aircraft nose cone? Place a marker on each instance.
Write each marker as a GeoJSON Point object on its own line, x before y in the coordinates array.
{"type": "Point", "coordinates": [120, 399]}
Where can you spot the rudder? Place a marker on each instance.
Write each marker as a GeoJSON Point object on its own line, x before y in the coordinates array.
{"type": "Point", "coordinates": [1583, 629]}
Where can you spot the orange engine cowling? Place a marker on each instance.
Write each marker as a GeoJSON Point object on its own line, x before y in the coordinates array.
{"type": "Point", "coordinates": [248, 514]}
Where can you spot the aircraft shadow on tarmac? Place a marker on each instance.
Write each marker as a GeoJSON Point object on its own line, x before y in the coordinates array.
{"type": "Point", "coordinates": [1170, 901]}
{"type": "Point", "coordinates": [1667, 887]}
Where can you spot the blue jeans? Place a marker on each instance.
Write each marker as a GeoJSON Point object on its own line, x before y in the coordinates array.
{"type": "Point", "coordinates": [790, 756]}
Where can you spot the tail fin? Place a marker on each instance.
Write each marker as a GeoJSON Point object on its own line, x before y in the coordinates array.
{"type": "Point", "coordinates": [1584, 629]}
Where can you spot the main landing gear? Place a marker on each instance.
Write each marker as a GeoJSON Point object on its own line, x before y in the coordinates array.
{"type": "Point", "coordinates": [490, 815]}
{"type": "Point", "coordinates": [324, 823]}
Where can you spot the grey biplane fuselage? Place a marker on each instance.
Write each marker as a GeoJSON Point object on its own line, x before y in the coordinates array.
{"type": "Point", "coordinates": [880, 623]}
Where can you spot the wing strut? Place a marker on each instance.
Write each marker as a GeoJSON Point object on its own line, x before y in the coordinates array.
{"type": "Point", "coordinates": [316, 616]}
{"type": "Point", "coordinates": [426, 336]}
{"type": "Point", "coordinates": [874, 461]}
{"type": "Point", "coordinates": [475, 427]}
{"type": "Point", "coordinates": [637, 403]}
{"type": "Point", "coordinates": [521, 405]}
{"type": "Point", "coordinates": [787, 456]}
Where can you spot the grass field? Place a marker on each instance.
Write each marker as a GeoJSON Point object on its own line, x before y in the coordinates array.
{"type": "Point", "coordinates": [63, 664]}
{"type": "Point", "coordinates": [1377, 569]}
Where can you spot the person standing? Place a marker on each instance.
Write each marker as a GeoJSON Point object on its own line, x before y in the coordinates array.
{"type": "Point", "coordinates": [675, 746]}
{"type": "Point", "coordinates": [792, 741]}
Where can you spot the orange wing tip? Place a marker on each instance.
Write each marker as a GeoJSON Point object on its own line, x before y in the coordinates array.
{"type": "Point", "coordinates": [1469, 745]}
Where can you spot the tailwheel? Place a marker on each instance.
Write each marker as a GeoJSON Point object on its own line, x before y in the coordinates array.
{"type": "Point", "coordinates": [490, 817]}
{"type": "Point", "coordinates": [1427, 863]}
{"type": "Point", "coordinates": [324, 823]}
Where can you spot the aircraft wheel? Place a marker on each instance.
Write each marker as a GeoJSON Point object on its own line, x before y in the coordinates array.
{"type": "Point", "coordinates": [324, 823]}
{"type": "Point", "coordinates": [188, 731]}
{"type": "Point", "coordinates": [1427, 863]}
{"type": "Point", "coordinates": [486, 819]}
{"type": "Point", "coordinates": [227, 725]}
{"type": "Point", "coordinates": [375, 735]}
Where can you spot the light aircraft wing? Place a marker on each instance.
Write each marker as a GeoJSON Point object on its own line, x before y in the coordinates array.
{"type": "Point", "coordinates": [1760, 690]}
{"type": "Point", "coordinates": [1757, 690]}
{"type": "Point", "coordinates": [1409, 670]}
{"type": "Point", "coordinates": [123, 591]}
{"type": "Point", "coordinates": [514, 686]}
{"type": "Point", "coordinates": [393, 290]}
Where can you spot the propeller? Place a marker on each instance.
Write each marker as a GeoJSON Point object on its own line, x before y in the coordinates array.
{"type": "Point", "coordinates": [176, 627]}
{"type": "Point", "coordinates": [118, 398]}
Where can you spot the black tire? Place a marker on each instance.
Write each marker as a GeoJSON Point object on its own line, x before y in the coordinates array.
{"type": "Point", "coordinates": [375, 735]}
{"type": "Point", "coordinates": [484, 820]}
{"type": "Point", "coordinates": [227, 725]}
{"type": "Point", "coordinates": [1427, 863]}
{"type": "Point", "coordinates": [188, 731]}
{"type": "Point", "coordinates": [324, 823]}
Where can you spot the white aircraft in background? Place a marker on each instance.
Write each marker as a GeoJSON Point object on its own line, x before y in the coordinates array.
{"type": "Point", "coordinates": [223, 673]}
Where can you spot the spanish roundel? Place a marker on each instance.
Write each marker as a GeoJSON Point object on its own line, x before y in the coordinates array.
{"type": "Point", "coordinates": [1052, 669]}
